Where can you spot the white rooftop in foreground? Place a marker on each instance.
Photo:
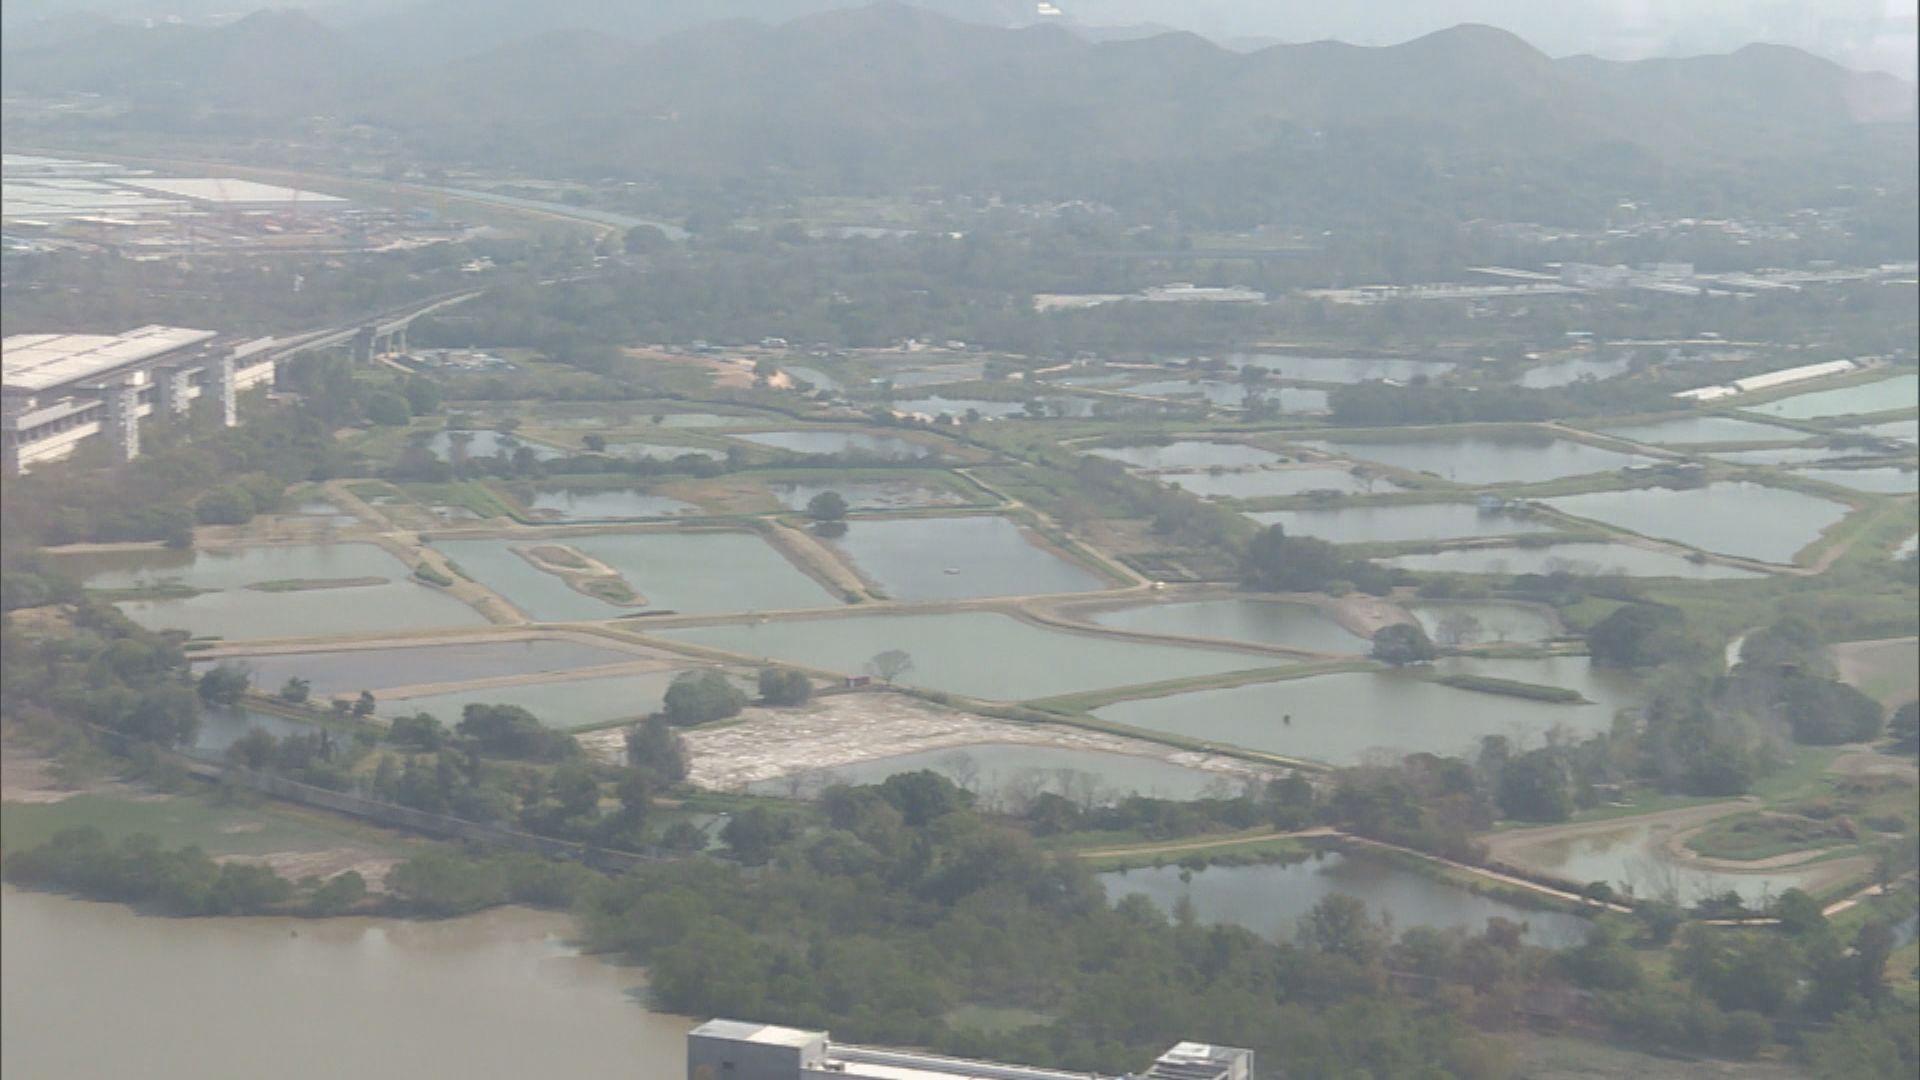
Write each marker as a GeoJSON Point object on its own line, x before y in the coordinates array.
{"type": "Point", "coordinates": [36, 362]}
{"type": "Point", "coordinates": [760, 1034]}
{"type": "Point", "coordinates": [223, 190]}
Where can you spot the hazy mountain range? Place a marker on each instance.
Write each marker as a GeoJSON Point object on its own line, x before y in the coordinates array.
{"type": "Point", "coordinates": [889, 97]}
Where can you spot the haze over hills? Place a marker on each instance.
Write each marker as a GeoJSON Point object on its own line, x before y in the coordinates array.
{"type": "Point", "coordinates": [889, 97]}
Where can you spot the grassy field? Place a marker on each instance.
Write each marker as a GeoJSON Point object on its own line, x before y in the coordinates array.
{"type": "Point", "coordinates": [221, 828]}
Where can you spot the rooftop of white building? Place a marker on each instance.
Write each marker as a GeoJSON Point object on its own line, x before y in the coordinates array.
{"type": "Point", "coordinates": [40, 362]}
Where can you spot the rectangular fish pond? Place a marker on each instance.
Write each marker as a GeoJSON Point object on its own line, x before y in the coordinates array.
{"type": "Point", "coordinates": [1270, 898]}
{"type": "Point", "coordinates": [344, 671]}
{"type": "Point", "coordinates": [693, 572]}
{"type": "Point", "coordinates": [298, 590]}
{"type": "Point", "coordinates": [1402, 523]}
{"type": "Point", "coordinates": [1730, 518]}
{"type": "Point", "coordinates": [846, 443]}
{"type": "Point", "coordinates": [1266, 622]}
{"type": "Point", "coordinates": [1476, 460]}
{"type": "Point", "coordinates": [977, 653]}
{"type": "Point", "coordinates": [1586, 558]}
{"type": "Point", "coordinates": [1343, 719]}
{"type": "Point", "coordinates": [955, 558]}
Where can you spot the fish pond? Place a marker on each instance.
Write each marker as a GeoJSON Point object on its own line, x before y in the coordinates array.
{"type": "Point", "coordinates": [309, 590]}
{"type": "Point", "coordinates": [1691, 430]}
{"type": "Point", "coordinates": [847, 443]}
{"type": "Point", "coordinates": [1233, 395]}
{"type": "Point", "coordinates": [1477, 622]}
{"type": "Point", "coordinates": [956, 558]}
{"type": "Point", "coordinates": [1884, 395]}
{"type": "Point", "coordinates": [1782, 455]}
{"type": "Point", "coordinates": [563, 704]}
{"type": "Point", "coordinates": [977, 653]}
{"type": "Point", "coordinates": [1268, 622]}
{"type": "Point", "coordinates": [221, 728]}
{"type": "Point", "coordinates": [480, 443]}
{"type": "Point", "coordinates": [1506, 458]}
{"type": "Point", "coordinates": [1273, 483]}
{"type": "Point", "coordinates": [1342, 719]}
{"type": "Point", "coordinates": [1884, 480]}
{"type": "Point", "coordinates": [1732, 518]}
{"type": "Point", "coordinates": [1338, 369]}
{"type": "Point", "coordinates": [1188, 454]}
{"type": "Point", "coordinates": [695, 572]}
{"type": "Point", "coordinates": [1904, 430]}
{"type": "Point", "coordinates": [603, 504]}
{"type": "Point", "coordinates": [1270, 898]}
{"type": "Point", "coordinates": [341, 671]}
{"type": "Point", "coordinates": [1400, 524]}
{"type": "Point", "coordinates": [935, 375]}
{"type": "Point", "coordinates": [1588, 558]}
{"type": "Point", "coordinates": [646, 451]}
{"type": "Point", "coordinates": [1635, 857]}
{"type": "Point", "coordinates": [1009, 775]}
{"type": "Point", "coordinates": [868, 494]}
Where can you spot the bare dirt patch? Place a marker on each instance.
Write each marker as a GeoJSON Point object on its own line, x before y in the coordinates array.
{"type": "Point", "coordinates": [323, 864]}
{"type": "Point", "coordinates": [1886, 670]}
{"type": "Point", "coordinates": [848, 728]}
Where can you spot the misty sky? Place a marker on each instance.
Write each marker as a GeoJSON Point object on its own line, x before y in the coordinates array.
{"type": "Point", "coordinates": [1865, 34]}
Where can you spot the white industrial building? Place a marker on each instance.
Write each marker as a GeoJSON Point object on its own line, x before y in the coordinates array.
{"type": "Point", "coordinates": [222, 193]}
{"type": "Point", "coordinates": [1768, 381]}
{"type": "Point", "coordinates": [59, 389]}
{"type": "Point", "coordinates": [737, 1050]}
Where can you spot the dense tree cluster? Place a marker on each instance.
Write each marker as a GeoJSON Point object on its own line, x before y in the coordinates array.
{"type": "Point", "coordinates": [697, 697]}
{"type": "Point", "coordinates": [107, 671]}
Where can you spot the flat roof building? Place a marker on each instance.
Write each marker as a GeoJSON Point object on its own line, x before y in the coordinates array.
{"type": "Point", "coordinates": [223, 193]}
{"type": "Point", "coordinates": [57, 390]}
{"type": "Point", "coordinates": [44, 363]}
{"type": "Point", "coordinates": [740, 1050]}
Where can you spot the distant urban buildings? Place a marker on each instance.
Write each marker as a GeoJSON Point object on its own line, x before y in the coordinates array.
{"type": "Point", "coordinates": [739, 1050]}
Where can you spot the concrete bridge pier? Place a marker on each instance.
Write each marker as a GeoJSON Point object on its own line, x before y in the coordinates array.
{"type": "Point", "coordinates": [176, 390]}
{"type": "Point", "coordinates": [223, 384]}
{"type": "Point", "coordinates": [123, 420]}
